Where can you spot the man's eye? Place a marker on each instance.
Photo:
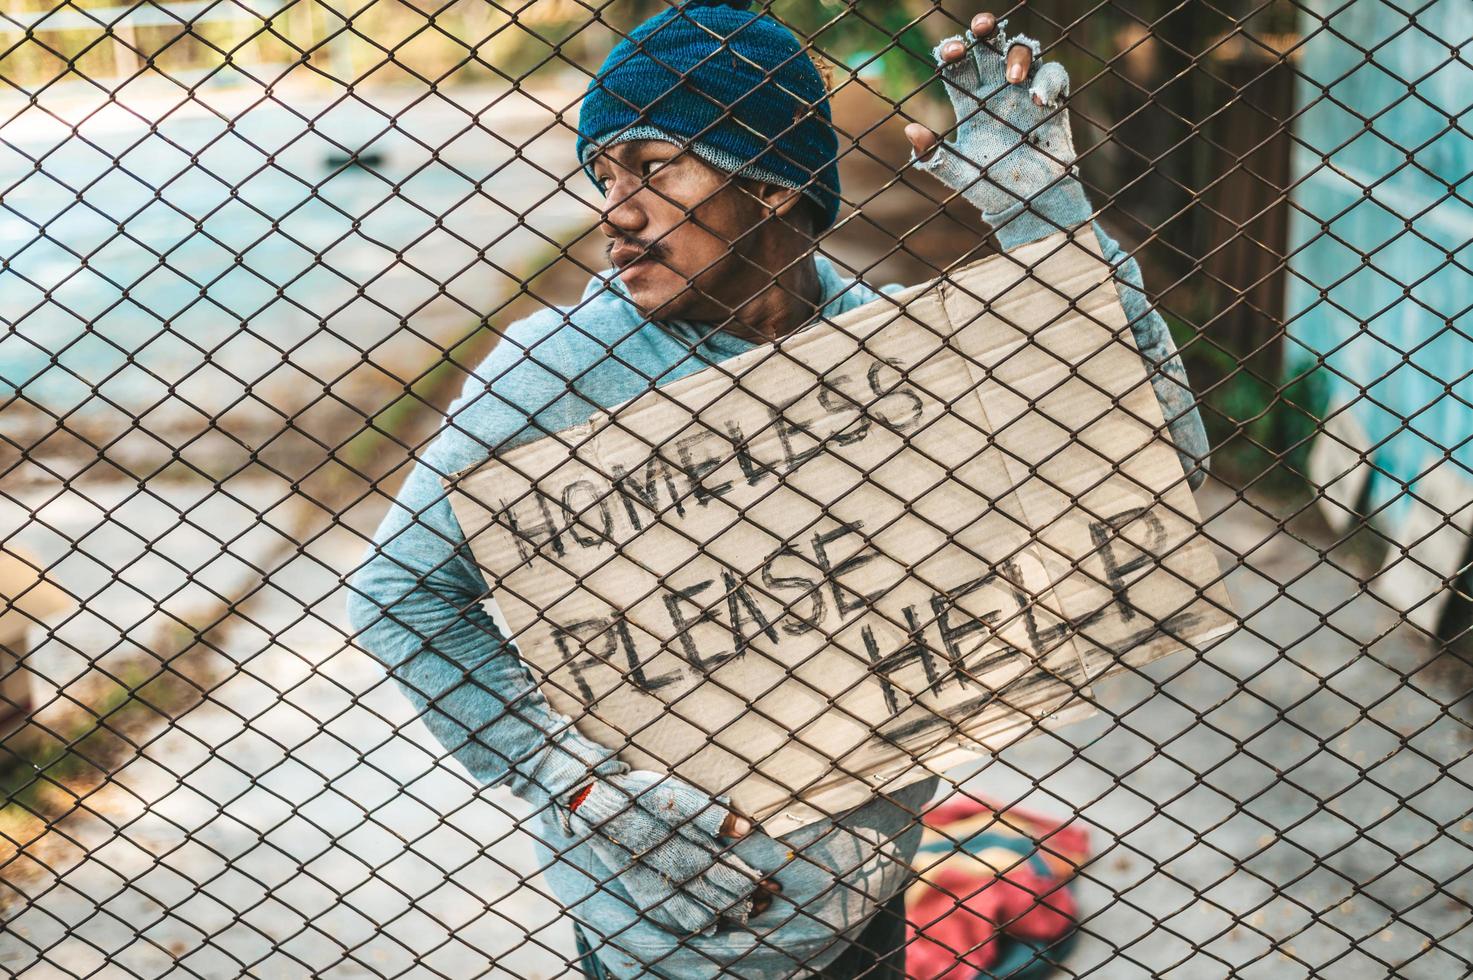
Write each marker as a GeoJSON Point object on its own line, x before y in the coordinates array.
{"type": "Point", "coordinates": [648, 167]}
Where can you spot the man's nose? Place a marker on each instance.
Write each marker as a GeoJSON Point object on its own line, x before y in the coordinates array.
{"type": "Point", "coordinates": [622, 212]}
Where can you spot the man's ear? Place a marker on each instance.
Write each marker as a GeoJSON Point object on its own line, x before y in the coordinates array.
{"type": "Point", "coordinates": [782, 201]}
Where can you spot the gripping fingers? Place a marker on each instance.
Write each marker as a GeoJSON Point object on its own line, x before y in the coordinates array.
{"type": "Point", "coordinates": [998, 53]}
{"type": "Point", "coordinates": [671, 908]}
{"type": "Point", "coordinates": [977, 67]}
{"type": "Point", "coordinates": [721, 883]}
{"type": "Point", "coordinates": [961, 71]}
{"type": "Point", "coordinates": [762, 898]}
{"type": "Point", "coordinates": [733, 874]}
{"type": "Point", "coordinates": [1019, 61]}
{"type": "Point", "coordinates": [734, 825]}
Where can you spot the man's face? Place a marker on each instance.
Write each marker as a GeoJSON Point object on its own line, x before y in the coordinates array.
{"type": "Point", "coordinates": [689, 240]}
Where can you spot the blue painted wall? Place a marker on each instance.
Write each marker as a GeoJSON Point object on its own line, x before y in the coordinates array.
{"type": "Point", "coordinates": [1380, 281]}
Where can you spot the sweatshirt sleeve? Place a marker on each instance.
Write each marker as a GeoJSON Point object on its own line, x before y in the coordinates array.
{"type": "Point", "coordinates": [415, 603]}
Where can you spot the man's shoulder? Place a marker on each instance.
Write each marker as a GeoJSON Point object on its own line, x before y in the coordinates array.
{"type": "Point", "coordinates": [569, 339]}
{"type": "Point", "coordinates": [602, 311]}
{"type": "Point", "coordinates": [520, 389]}
{"type": "Point", "coordinates": [599, 305]}
{"type": "Point", "coordinates": [845, 291]}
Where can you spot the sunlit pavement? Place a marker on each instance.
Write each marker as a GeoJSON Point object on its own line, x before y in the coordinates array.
{"type": "Point", "coordinates": [1259, 807]}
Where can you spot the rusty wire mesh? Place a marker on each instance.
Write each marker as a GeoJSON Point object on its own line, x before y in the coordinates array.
{"type": "Point", "coordinates": [252, 249]}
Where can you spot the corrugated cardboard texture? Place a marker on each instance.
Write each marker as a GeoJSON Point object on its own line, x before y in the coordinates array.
{"type": "Point", "coordinates": [869, 551]}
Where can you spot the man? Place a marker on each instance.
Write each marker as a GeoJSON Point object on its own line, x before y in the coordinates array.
{"type": "Point", "coordinates": [708, 130]}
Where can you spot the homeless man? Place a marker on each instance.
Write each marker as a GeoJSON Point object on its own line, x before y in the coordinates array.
{"type": "Point", "coordinates": [708, 132]}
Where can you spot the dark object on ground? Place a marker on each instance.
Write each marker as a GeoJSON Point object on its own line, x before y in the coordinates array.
{"type": "Point", "coordinates": [367, 157]}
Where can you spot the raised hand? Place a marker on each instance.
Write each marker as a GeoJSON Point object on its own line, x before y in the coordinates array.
{"type": "Point", "coordinates": [1012, 145]}
{"type": "Point", "coordinates": [1013, 158]}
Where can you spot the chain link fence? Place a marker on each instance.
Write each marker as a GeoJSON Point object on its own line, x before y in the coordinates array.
{"type": "Point", "coordinates": [356, 492]}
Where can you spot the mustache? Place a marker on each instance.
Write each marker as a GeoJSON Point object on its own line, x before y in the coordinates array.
{"type": "Point", "coordinates": [650, 249]}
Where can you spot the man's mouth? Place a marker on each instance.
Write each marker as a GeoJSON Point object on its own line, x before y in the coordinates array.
{"type": "Point", "coordinates": [633, 255]}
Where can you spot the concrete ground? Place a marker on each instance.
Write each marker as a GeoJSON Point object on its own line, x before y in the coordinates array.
{"type": "Point", "coordinates": [360, 284]}
{"type": "Point", "coordinates": [1292, 802]}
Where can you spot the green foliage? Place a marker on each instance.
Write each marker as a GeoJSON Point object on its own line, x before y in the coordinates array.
{"type": "Point", "coordinates": [880, 39]}
{"type": "Point", "coordinates": [1260, 430]}
{"type": "Point", "coordinates": [41, 763]}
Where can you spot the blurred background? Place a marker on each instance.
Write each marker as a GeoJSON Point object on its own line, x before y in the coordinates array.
{"type": "Point", "coordinates": [250, 250]}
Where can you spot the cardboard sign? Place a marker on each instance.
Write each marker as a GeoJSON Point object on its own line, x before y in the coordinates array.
{"type": "Point", "coordinates": [869, 551]}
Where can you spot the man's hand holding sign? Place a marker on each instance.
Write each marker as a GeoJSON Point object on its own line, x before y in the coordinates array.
{"type": "Point", "coordinates": [774, 547]}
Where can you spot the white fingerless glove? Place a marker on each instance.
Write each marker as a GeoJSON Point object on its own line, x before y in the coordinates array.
{"type": "Point", "coordinates": [1013, 144]}
{"type": "Point", "coordinates": [660, 835]}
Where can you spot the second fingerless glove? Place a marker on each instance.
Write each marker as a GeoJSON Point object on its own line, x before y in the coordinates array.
{"type": "Point", "coordinates": [660, 834]}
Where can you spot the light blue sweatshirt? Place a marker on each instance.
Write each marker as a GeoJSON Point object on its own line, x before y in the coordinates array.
{"type": "Point", "coordinates": [417, 604]}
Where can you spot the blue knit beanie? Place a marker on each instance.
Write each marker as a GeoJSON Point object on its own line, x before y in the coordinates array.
{"type": "Point", "coordinates": [735, 84]}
